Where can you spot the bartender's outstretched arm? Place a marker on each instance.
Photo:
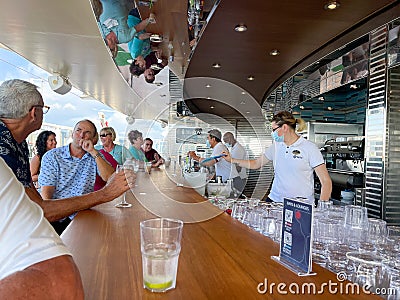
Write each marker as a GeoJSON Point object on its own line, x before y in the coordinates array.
{"type": "Point", "coordinates": [248, 164]}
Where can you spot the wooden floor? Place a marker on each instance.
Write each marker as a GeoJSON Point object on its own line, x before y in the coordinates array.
{"type": "Point", "coordinates": [220, 257]}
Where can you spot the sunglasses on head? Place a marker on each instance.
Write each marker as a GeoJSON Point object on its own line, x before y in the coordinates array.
{"type": "Point", "coordinates": [105, 134]}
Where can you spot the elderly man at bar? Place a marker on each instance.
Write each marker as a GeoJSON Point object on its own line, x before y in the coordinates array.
{"type": "Point", "coordinates": [71, 170]}
{"type": "Point", "coordinates": [45, 269]}
{"type": "Point", "coordinates": [21, 113]}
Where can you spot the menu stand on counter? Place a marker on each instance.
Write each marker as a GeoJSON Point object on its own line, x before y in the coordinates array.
{"type": "Point", "coordinates": [296, 237]}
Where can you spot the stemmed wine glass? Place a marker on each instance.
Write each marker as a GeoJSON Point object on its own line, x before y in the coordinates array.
{"type": "Point", "coordinates": [123, 203]}
{"type": "Point", "coordinates": [181, 162]}
{"type": "Point", "coordinates": [174, 163]}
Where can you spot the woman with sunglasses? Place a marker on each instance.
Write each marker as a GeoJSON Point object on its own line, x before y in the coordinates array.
{"type": "Point", "coordinates": [45, 141]}
{"type": "Point", "coordinates": [294, 159]}
{"type": "Point", "coordinates": [107, 138]}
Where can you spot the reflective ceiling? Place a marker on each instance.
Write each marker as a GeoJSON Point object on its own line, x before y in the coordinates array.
{"type": "Point", "coordinates": [62, 36]}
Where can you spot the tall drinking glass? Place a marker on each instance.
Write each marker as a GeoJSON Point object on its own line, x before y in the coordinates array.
{"type": "Point", "coordinates": [160, 241]}
{"type": "Point", "coordinates": [123, 203]}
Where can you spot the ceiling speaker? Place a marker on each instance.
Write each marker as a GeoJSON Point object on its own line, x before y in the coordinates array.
{"type": "Point", "coordinates": [130, 120]}
{"type": "Point", "coordinates": [59, 84]}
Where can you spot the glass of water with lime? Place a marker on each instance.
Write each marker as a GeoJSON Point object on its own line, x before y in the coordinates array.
{"type": "Point", "coordinates": [160, 245]}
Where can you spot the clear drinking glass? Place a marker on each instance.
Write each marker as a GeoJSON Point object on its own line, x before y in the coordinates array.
{"type": "Point", "coordinates": [327, 231]}
{"type": "Point", "coordinates": [160, 241]}
{"type": "Point", "coordinates": [238, 210]}
{"type": "Point", "coordinates": [367, 266]}
{"type": "Point", "coordinates": [337, 260]}
{"type": "Point", "coordinates": [319, 255]}
{"type": "Point", "coordinates": [377, 231]}
{"type": "Point", "coordinates": [356, 223]}
{"type": "Point", "coordinates": [147, 167]}
{"type": "Point", "coordinates": [269, 227]}
{"type": "Point", "coordinates": [278, 231]}
{"type": "Point", "coordinates": [393, 236]}
{"type": "Point", "coordinates": [123, 203]}
{"type": "Point", "coordinates": [324, 205]}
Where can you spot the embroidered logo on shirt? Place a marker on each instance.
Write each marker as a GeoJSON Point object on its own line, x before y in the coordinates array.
{"type": "Point", "coordinates": [296, 154]}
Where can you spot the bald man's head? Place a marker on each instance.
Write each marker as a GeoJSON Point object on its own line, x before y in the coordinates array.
{"type": "Point", "coordinates": [229, 138]}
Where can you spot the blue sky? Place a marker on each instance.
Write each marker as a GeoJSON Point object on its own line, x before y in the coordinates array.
{"type": "Point", "coordinates": [69, 108]}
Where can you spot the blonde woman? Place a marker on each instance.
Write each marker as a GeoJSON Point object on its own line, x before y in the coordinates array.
{"type": "Point", "coordinates": [294, 158]}
{"type": "Point", "coordinates": [107, 138]}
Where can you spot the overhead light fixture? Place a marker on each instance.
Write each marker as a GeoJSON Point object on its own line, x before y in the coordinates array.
{"type": "Point", "coordinates": [330, 108]}
{"type": "Point", "coordinates": [353, 86]}
{"type": "Point", "coordinates": [243, 93]}
{"type": "Point", "coordinates": [208, 86]}
{"type": "Point", "coordinates": [331, 5]}
{"type": "Point", "coordinates": [243, 102]}
{"type": "Point", "coordinates": [212, 107]}
{"type": "Point", "coordinates": [216, 65]}
{"type": "Point", "coordinates": [250, 78]}
{"type": "Point", "coordinates": [208, 98]}
{"type": "Point", "coordinates": [247, 112]}
{"type": "Point", "coordinates": [301, 107]}
{"type": "Point", "coordinates": [274, 52]}
{"type": "Point", "coordinates": [321, 98]}
{"type": "Point", "coordinates": [240, 28]}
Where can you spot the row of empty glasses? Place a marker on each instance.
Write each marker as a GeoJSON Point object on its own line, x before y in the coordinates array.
{"type": "Point", "coordinates": [265, 218]}
{"type": "Point", "coordinates": [363, 250]}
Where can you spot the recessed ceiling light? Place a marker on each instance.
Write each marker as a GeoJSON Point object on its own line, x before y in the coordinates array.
{"type": "Point", "coordinates": [212, 107]}
{"type": "Point", "coordinates": [240, 28]}
{"type": "Point", "coordinates": [330, 108]}
{"type": "Point", "coordinates": [243, 102]}
{"type": "Point", "coordinates": [274, 52]}
{"type": "Point", "coordinates": [243, 93]}
{"type": "Point", "coordinates": [353, 86]}
{"type": "Point", "coordinates": [216, 65]}
{"type": "Point", "coordinates": [247, 112]}
{"type": "Point", "coordinates": [250, 78]}
{"type": "Point", "coordinates": [208, 86]}
{"type": "Point", "coordinates": [331, 5]}
{"type": "Point", "coordinates": [321, 98]}
{"type": "Point", "coordinates": [208, 98]}
{"type": "Point", "coordinates": [301, 107]}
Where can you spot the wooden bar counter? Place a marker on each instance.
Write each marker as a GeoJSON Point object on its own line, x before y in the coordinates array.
{"type": "Point", "coordinates": [220, 258]}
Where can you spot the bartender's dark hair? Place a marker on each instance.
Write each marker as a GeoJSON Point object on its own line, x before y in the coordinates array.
{"type": "Point", "coordinates": [285, 117]}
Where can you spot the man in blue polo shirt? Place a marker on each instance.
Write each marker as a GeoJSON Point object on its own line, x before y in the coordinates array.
{"type": "Point", "coordinates": [21, 113]}
{"type": "Point", "coordinates": [71, 170]}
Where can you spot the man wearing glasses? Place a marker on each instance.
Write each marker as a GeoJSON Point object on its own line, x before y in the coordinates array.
{"type": "Point", "coordinates": [21, 113]}
{"type": "Point", "coordinates": [71, 170]}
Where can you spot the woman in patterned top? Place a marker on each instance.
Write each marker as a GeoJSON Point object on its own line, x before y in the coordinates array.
{"type": "Point", "coordinates": [45, 141]}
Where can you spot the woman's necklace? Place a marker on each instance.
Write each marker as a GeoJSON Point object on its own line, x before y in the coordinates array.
{"type": "Point", "coordinates": [111, 151]}
{"type": "Point", "coordinates": [293, 140]}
